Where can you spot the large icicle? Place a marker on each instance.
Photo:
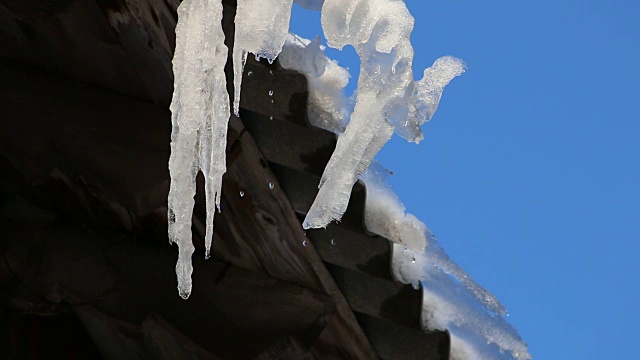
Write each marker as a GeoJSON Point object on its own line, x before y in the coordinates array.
{"type": "Point", "coordinates": [387, 94]}
{"type": "Point", "coordinates": [200, 115]}
{"type": "Point", "coordinates": [261, 28]}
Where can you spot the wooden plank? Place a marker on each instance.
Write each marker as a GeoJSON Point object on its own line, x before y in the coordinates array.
{"type": "Point", "coordinates": [354, 250]}
{"type": "Point", "coordinates": [379, 298]}
{"type": "Point", "coordinates": [274, 241]}
{"type": "Point", "coordinates": [304, 148]}
{"type": "Point", "coordinates": [275, 92]}
{"type": "Point", "coordinates": [393, 341]}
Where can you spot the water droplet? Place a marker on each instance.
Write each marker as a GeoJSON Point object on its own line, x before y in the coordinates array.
{"type": "Point", "coordinates": [413, 260]}
{"type": "Point", "coordinates": [333, 241]}
{"type": "Point", "coordinates": [271, 185]}
{"type": "Point", "coordinates": [270, 72]}
{"type": "Point", "coordinates": [305, 243]}
{"type": "Point", "coordinates": [270, 92]}
{"type": "Point", "coordinates": [272, 101]}
{"type": "Point", "coordinates": [250, 73]}
{"type": "Point", "coordinates": [270, 117]}
{"type": "Point", "coordinates": [241, 193]}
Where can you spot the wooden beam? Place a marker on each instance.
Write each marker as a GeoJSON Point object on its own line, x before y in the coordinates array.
{"type": "Point", "coordinates": [232, 312]}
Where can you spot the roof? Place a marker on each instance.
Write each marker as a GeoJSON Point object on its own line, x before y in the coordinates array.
{"type": "Point", "coordinates": [85, 151]}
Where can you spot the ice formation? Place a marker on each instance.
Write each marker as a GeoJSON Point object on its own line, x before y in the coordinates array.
{"type": "Point", "coordinates": [200, 114]}
{"type": "Point", "coordinates": [261, 28]}
{"type": "Point", "coordinates": [327, 106]}
{"type": "Point", "coordinates": [451, 299]}
{"type": "Point", "coordinates": [310, 4]}
{"type": "Point", "coordinates": [387, 98]}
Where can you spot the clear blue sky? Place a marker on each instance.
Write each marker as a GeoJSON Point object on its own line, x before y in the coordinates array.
{"type": "Point", "coordinates": [529, 172]}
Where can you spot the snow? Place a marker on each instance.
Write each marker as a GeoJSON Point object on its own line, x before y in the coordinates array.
{"type": "Point", "coordinates": [327, 106]}
{"type": "Point", "coordinates": [385, 215]}
{"type": "Point", "coordinates": [200, 114]}
{"type": "Point", "coordinates": [451, 299]}
{"type": "Point", "coordinates": [387, 98]}
{"type": "Point", "coordinates": [262, 32]}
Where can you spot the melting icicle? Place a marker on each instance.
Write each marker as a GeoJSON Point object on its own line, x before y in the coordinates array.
{"type": "Point", "coordinates": [260, 32]}
{"type": "Point", "coordinates": [310, 4]}
{"type": "Point", "coordinates": [387, 93]}
{"type": "Point", "coordinates": [200, 113]}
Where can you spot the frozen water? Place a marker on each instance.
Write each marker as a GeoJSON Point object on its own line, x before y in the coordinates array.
{"type": "Point", "coordinates": [387, 98]}
{"type": "Point", "coordinates": [452, 300]}
{"type": "Point", "coordinates": [327, 106]}
{"type": "Point", "coordinates": [200, 113]}
{"type": "Point", "coordinates": [385, 215]}
{"type": "Point", "coordinates": [261, 28]}
{"type": "Point", "coordinates": [310, 4]}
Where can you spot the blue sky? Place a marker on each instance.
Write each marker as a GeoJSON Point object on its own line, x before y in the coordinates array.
{"type": "Point", "coordinates": [529, 172]}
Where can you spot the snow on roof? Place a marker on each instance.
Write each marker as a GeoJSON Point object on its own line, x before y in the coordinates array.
{"type": "Point", "coordinates": [388, 99]}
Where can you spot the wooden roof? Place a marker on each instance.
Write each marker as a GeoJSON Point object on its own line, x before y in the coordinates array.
{"type": "Point", "coordinates": [84, 147]}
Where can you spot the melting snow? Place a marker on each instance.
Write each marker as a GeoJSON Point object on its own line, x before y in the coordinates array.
{"type": "Point", "coordinates": [451, 299]}
{"type": "Point", "coordinates": [388, 99]}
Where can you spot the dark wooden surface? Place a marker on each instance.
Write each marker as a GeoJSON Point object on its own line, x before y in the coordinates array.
{"type": "Point", "coordinates": [121, 174]}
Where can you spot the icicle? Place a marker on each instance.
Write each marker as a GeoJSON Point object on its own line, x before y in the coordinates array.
{"type": "Point", "coordinates": [261, 28]}
{"type": "Point", "coordinates": [387, 94]}
{"type": "Point", "coordinates": [200, 114]}
{"type": "Point", "coordinates": [310, 4]}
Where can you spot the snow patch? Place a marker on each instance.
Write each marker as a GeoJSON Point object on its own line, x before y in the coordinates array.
{"type": "Point", "coordinates": [327, 107]}
{"type": "Point", "coordinates": [385, 215]}
{"type": "Point", "coordinates": [451, 299]}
